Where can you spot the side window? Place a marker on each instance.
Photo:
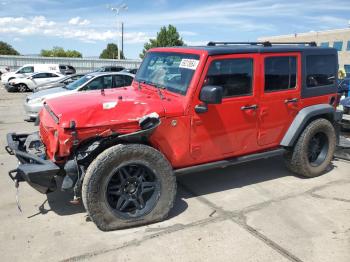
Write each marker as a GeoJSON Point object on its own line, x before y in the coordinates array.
{"type": "Point", "coordinates": [41, 75]}
{"type": "Point", "coordinates": [26, 70]}
{"type": "Point", "coordinates": [128, 80]}
{"type": "Point", "coordinates": [280, 73]}
{"type": "Point", "coordinates": [320, 70]}
{"type": "Point", "coordinates": [51, 75]}
{"type": "Point", "coordinates": [234, 75]}
{"type": "Point", "coordinates": [99, 83]}
{"type": "Point", "coordinates": [119, 80]}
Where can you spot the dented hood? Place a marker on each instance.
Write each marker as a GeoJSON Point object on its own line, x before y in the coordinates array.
{"type": "Point", "coordinates": [104, 108]}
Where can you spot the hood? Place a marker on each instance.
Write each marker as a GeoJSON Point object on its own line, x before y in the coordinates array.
{"type": "Point", "coordinates": [48, 86]}
{"type": "Point", "coordinates": [48, 92]}
{"type": "Point", "coordinates": [108, 108]}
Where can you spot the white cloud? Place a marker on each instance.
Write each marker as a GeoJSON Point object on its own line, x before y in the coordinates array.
{"type": "Point", "coordinates": [78, 21]}
{"type": "Point", "coordinates": [39, 25]}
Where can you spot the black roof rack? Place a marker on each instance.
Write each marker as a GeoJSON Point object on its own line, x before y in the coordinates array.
{"type": "Point", "coordinates": [265, 43]}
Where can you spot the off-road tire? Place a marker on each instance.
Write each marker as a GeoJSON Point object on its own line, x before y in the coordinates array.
{"type": "Point", "coordinates": [297, 159]}
{"type": "Point", "coordinates": [93, 193]}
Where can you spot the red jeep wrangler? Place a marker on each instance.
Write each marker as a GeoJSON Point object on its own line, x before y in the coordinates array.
{"type": "Point", "coordinates": [188, 109]}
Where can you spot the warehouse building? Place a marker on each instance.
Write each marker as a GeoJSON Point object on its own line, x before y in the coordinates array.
{"type": "Point", "coordinates": [337, 38]}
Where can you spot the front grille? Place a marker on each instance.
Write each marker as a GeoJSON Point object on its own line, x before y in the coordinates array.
{"type": "Point", "coordinates": [52, 114]}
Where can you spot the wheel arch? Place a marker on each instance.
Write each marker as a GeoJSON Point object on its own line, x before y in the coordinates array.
{"type": "Point", "coordinates": [303, 118]}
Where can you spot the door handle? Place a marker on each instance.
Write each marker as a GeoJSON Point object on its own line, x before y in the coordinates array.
{"type": "Point", "coordinates": [251, 107]}
{"type": "Point", "coordinates": [293, 100]}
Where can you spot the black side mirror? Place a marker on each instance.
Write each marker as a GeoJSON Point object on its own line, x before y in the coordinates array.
{"type": "Point", "coordinates": [211, 94]}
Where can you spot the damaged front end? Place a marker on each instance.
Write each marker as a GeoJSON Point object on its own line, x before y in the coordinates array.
{"type": "Point", "coordinates": [46, 176]}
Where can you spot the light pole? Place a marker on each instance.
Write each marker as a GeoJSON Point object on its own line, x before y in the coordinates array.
{"type": "Point", "coordinates": [117, 9]}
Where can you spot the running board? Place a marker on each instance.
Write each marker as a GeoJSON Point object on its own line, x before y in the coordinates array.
{"type": "Point", "coordinates": [230, 161]}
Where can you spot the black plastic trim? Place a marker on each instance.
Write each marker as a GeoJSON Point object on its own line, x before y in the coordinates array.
{"type": "Point", "coordinates": [230, 161]}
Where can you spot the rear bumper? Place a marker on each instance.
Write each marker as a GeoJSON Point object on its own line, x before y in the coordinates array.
{"type": "Point", "coordinates": [39, 173]}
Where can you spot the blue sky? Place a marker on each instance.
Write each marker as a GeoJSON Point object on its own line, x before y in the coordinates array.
{"type": "Point", "coordinates": [88, 26]}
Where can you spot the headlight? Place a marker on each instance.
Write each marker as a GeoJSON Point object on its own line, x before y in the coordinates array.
{"type": "Point", "coordinates": [36, 100]}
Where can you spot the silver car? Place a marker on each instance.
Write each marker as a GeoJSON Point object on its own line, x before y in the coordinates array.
{"type": "Point", "coordinates": [92, 81]}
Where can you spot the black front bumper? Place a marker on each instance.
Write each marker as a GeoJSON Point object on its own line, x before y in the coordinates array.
{"type": "Point", "coordinates": [38, 172]}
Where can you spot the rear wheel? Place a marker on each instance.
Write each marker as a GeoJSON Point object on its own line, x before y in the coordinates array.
{"type": "Point", "coordinates": [128, 185]}
{"type": "Point", "coordinates": [314, 149]}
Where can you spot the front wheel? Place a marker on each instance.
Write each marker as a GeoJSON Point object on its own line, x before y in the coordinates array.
{"type": "Point", "coordinates": [314, 149]}
{"type": "Point", "coordinates": [22, 88]}
{"type": "Point", "coordinates": [128, 185]}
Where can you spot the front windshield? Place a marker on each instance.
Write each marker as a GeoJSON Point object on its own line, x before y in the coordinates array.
{"type": "Point", "coordinates": [74, 85]}
{"type": "Point", "coordinates": [169, 70]}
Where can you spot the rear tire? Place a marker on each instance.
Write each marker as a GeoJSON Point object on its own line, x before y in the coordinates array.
{"type": "Point", "coordinates": [314, 149]}
{"type": "Point", "coordinates": [128, 185]}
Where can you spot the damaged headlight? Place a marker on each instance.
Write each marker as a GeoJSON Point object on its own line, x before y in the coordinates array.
{"type": "Point", "coordinates": [148, 121]}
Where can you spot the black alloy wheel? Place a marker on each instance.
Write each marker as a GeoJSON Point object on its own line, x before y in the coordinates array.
{"type": "Point", "coordinates": [132, 190]}
{"type": "Point", "coordinates": [318, 149]}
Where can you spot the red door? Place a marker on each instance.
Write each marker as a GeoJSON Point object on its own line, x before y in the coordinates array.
{"type": "Point", "coordinates": [279, 96]}
{"type": "Point", "coordinates": [230, 128]}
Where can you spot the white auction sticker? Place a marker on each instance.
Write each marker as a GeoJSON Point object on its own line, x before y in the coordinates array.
{"type": "Point", "coordinates": [189, 63]}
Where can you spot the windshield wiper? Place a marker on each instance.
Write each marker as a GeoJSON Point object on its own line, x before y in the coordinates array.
{"type": "Point", "coordinates": [158, 86]}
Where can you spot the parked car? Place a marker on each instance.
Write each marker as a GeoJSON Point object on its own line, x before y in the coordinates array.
{"type": "Point", "coordinates": [226, 104]}
{"type": "Point", "coordinates": [110, 69]}
{"type": "Point", "coordinates": [24, 84]}
{"type": "Point", "coordinates": [67, 69]}
{"type": "Point", "coordinates": [343, 86]}
{"type": "Point", "coordinates": [59, 83]}
{"type": "Point", "coordinates": [4, 70]}
{"type": "Point", "coordinates": [346, 105]}
{"type": "Point", "coordinates": [28, 69]}
{"type": "Point", "coordinates": [92, 81]}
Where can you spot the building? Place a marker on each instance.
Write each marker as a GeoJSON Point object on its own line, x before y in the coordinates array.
{"type": "Point", "coordinates": [337, 38]}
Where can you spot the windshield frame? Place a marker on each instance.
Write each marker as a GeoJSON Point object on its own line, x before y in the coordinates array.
{"type": "Point", "coordinates": [187, 55]}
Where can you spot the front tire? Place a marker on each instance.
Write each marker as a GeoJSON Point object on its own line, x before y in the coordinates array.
{"type": "Point", "coordinates": [128, 185]}
{"type": "Point", "coordinates": [22, 88]}
{"type": "Point", "coordinates": [314, 149]}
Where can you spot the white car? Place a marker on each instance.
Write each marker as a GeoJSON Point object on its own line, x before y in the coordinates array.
{"type": "Point", "coordinates": [29, 83]}
{"type": "Point", "coordinates": [28, 69]}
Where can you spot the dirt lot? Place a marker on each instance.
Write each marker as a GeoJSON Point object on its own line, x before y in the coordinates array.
{"type": "Point", "coordinates": [251, 212]}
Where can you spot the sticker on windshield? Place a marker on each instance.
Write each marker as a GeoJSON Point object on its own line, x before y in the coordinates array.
{"type": "Point", "coordinates": [189, 63]}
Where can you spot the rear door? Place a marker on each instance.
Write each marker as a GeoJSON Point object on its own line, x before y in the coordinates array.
{"type": "Point", "coordinates": [279, 96]}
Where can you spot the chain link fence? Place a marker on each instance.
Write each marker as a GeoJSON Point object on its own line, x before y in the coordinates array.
{"type": "Point", "coordinates": [82, 65]}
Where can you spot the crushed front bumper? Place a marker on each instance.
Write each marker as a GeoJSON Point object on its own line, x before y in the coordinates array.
{"type": "Point", "coordinates": [38, 172]}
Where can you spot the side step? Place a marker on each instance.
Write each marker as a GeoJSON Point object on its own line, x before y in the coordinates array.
{"type": "Point", "coordinates": [230, 161]}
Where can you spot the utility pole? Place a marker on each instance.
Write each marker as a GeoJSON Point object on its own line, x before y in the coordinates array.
{"type": "Point", "coordinates": [120, 25]}
{"type": "Point", "coordinates": [122, 38]}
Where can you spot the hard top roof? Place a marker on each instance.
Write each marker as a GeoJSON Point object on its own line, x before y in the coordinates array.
{"type": "Point", "coordinates": [222, 49]}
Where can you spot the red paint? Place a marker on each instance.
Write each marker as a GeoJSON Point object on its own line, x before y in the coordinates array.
{"type": "Point", "coordinates": [224, 131]}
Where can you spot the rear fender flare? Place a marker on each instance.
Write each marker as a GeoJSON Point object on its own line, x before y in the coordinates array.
{"type": "Point", "coordinates": [302, 120]}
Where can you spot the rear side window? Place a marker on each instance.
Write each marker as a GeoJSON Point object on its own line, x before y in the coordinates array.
{"type": "Point", "coordinates": [234, 75]}
{"type": "Point", "coordinates": [320, 70]}
{"type": "Point", "coordinates": [280, 73]}
{"type": "Point", "coordinates": [62, 67]}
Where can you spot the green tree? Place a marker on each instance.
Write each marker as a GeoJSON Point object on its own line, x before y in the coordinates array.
{"type": "Point", "coordinates": [165, 37]}
{"type": "Point", "coordinates": [6, 49]}
{"type": "Point", "coordinates": [111, 52]}
{"type": "Point", "coordinates": [60, 52]}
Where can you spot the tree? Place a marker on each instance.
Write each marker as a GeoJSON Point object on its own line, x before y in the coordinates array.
{"type": "Point", "coordinates": [60, 52]}
{"type": "Point", "coordinates": [111, 52]}
{"type": "Point", "coordinates": [6, 49]}
{"type": "Point", "coordinates": [165, 37]}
